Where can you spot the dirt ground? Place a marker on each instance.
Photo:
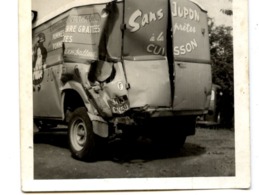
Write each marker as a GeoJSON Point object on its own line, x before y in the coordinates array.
{"type": "Point", "coordinates": [211, 152]}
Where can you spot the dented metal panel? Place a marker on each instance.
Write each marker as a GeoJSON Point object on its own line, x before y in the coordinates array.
{"type": "Point", "coordinates": [125, 54]}
{"type": "Point", "coordinates": [149, 83]}
{"type": "Point", "coordinates": [82, 34]}
{"type": "Point", "coordinates": [145, 38]}
{"type": "Point", "coordinates": [114, 38]}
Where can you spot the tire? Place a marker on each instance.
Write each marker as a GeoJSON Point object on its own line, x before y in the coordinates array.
{"type": "Point", "coordinates": [178, 141]}
{"type": "Point", "coordinates": [174, 141]}
{"type": "Point", "coordinates": [186, 126]}
{"type": "Point", "coordinates": [81, 136]}
{"type": "Point", "coordinates": [168, 133]}
{"type": "Point", "coordinates": [170, 143]}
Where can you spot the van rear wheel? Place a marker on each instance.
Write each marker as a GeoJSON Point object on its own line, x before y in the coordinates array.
{"type": "Point", "coordinates": [179, 141]}
{"type": "Point", "coordinates": [81, 135]}
{"type": "Point", "coordinates": [171, 133]}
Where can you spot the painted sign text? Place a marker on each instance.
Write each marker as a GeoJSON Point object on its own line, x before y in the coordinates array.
{"type": "Point", "coordinates": [186, 48]}
{"type": "Point", "coordinates": [138, 19]}
{"type": "Point", "coordinates": [184, 12]}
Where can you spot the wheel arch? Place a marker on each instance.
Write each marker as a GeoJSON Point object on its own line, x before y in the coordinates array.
{"type": "Point", "coordinates": [74, 91]}
{"type": "Point", "coordinates": [74, 96]}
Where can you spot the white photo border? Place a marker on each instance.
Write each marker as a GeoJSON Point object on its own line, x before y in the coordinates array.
{"type": "Point", "coordinates": [242, 132]}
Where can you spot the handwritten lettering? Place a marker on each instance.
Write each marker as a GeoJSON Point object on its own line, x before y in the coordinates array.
{"type": "Point", "coordinates": [58, 34]}
{"type": "Point", "coordinates": [83, 29]}
{"type": "Point", "coordinates": [138, 20]}
{"type": "Point", "coordinates": [187, 48]}
{"type": "Point", "coordinates": [57, 45]}
{"type": "Point", "coordinates": [184, 27]}
{"type": "Point", "coordinates": [88, 29]}
{"type": "Point", "coordinates": [89, 18]}
{"type": "Point", "coordinates": [183, 12]}
{"type": "Point", "coordinates": [155, 49]}
{"type": "Point", "coordinates": [80, 52]}
{"type": "Point", "coordinates": [71, 28]}
{"type": "Point", "coordinates": [68, 39]}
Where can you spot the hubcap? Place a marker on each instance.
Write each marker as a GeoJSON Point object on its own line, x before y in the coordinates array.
{"type": "Point", "coordinates": [78, 134]}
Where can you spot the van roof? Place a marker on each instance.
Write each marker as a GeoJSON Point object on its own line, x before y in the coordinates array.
{"type": "Point", "coordinates": [78, 3]}
{"type": "Point", "coordinates": [200, 6]}
{"type": "Point", "coordinates": [66, 7]}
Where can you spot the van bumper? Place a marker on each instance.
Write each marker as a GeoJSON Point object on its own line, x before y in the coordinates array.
{"type": "Point", "coordinates": [165, 112]}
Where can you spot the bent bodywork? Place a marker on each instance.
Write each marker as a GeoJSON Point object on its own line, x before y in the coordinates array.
{"type": "Point", "coordinates": [121, 60]}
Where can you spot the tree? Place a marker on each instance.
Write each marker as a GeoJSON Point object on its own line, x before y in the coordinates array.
{"type": "Point", "coordinates": [228, 12]}
{"type": "Point", "coordinates": [221, 48]}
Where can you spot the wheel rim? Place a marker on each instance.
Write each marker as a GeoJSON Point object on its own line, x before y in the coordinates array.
{"type": "Point", "coordinates": [78, 134]}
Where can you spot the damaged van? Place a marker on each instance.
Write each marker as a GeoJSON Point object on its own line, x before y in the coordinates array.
{"type": "Point", "coordinates": [105, 65]}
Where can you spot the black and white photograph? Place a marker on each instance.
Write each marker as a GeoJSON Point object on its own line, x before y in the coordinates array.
{"type": "Point", "coordinates": [134, 95]}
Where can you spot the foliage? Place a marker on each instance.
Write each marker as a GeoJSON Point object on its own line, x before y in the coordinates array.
{"type": "Point", "coordinates": [221, 43]}
{"type": "Point", "coordinates": [228, 12]}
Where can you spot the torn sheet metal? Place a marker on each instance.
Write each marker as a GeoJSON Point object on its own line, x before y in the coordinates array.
{"type": "Point", "coordinates": [144, 49]}
{"type": "Point", "coordinates": [82, 33]}
{"type": "Point", "coordinates": [139, 53]}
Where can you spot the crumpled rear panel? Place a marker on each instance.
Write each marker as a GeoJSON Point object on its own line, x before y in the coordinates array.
{"type": "Point", "coordinates": [149, 83]}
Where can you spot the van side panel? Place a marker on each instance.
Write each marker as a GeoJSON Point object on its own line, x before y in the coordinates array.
{"type": "Point", "coordinates": [114, 38]}
{"type": "Point", "coordinates": [47, 67]}
{"type": "Point", "coordinates": [82, 34]}
{"type": "Point", "coordinates": [47, 95]}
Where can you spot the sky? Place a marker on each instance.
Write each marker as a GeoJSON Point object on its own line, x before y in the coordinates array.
{"type": "Point", "coordinates": [212, 6]}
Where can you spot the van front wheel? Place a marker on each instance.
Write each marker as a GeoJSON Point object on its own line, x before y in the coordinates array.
{"type": "Point", "coordinates": [81, 136]}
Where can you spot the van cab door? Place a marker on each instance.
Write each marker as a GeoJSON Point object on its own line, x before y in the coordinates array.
{"type": "Point", "coordinates": [192, 69]}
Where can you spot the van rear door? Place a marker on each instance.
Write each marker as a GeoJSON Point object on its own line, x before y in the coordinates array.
{"type": "Point", "coordinates": [144, 50]}
{"type": "Point", "coordinates": [192, 69]}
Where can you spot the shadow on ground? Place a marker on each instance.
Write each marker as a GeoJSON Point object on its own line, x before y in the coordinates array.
{"type": "Point", "coordinates": [54, 137]}
{"type": "Point", "coordinates": [124, 151]}
{"type": "Point", "coordinates": [138, 151]}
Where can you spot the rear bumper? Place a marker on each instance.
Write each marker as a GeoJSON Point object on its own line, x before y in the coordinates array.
{"type": "Point", "coordinates": [165, 112]}
{"type": "Point", "coordinates": [183, 121]}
